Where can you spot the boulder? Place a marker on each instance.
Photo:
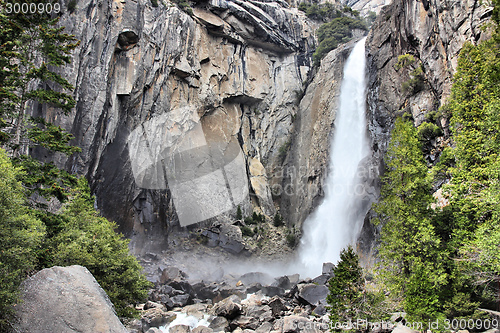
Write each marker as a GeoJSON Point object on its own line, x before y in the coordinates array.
{"type": "Point", "coordinates": [277, 306]}
{"type": "Point", "coordinates": [253, 288]}
{"type": "Point", "coordinates": [244, 322]}
{"type": "Point", "coordinates": [327, 268]}
{"type": "Point", "coordinates": [154, 330]}
{"type": "Point", "coordinates": [156, 317]}
{"type": "Point", "coordinates": [202, 291]}
{"type": "Point", "coordinates": [282, 282]}
{"type": "Point", "coordinates": [219, 324]}
{"type": "Point", "coordinates": [273, 291]}
{"type": "Point", "coordinates": [262, 312]}
{"type": "Point", "coordinates": [151, 305]}
{"type": "Point", "coordinates": [202, 329]}
{"type": "Point", "coordinates": [256, 277]}
{"type": "Point", "coordinates": [311, 293]}
{"type": "Point", "coordinates": [227, 308]}
{"type": "Point", "coordinates": [65, 299]}
{"type": "Point", "coordinates": [170, 274]}
{"type": "Point", "coordinates": [180, 329]}
{"type": "Point", "coordinates": [181, 300]}
{"type": "Point", "coordinates": [264, 328]}
{"type": "Point", "coordinates": [322, 279]}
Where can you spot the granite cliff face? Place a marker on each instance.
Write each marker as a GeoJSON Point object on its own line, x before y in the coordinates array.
{"type": "Point", "coordinates": [240, 67]}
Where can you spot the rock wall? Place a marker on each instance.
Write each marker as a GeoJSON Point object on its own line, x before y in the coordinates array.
{"type": "Point", "coordinates": [238, 66]}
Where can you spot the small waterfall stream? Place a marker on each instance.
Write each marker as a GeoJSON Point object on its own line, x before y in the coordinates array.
{"type": "Point", "coordinates": [338, 220]}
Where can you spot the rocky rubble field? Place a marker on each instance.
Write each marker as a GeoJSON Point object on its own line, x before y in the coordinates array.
{"type": "Point", "coordinates": [253, 302]}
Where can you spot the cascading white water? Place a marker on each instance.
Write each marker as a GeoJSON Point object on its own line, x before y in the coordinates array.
{"type": "Point", "coordinates": [337, 221]}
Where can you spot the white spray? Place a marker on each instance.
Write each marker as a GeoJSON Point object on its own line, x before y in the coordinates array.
{"type": "Point", "coordinates": [337, 221]}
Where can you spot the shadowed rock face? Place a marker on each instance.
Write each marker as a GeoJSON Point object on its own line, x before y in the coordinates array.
{"type": "Point", "coordinates": [66, 299]}
{"type": "Point", "coordinates": [240, 65]}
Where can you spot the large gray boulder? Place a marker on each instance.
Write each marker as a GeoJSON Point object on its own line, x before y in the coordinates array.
{"type": "Point", "coordinates": [65, 299]}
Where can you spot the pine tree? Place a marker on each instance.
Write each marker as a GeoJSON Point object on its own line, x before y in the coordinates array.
{"type": "Point", "coordinates": [32, 48]}
{"type": "Point", "coordinates": [346, 289]}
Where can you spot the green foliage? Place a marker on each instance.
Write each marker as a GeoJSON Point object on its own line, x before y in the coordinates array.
{"type": "Point", "coordinates": [370, 18]}
{"type": "Point", "coordinates": [20, 235]}
{"type": "Point", "coordinates": [89, 240]}
{"type": "Point", "coordinates": [52, 137]}
{"type": "Point", "coordinates": [336, 32]}
{"type": "Point", "coordinates": [474, 190]}
{"type": "Point", "coordinates": [154, 3]}
{"type": "Point", "coordinates": [409, 245]}
{"type": "Point", "coordinates": [416, 81]}
{"type": "Point", "coordinates": [258, 217]}
{"type": "Point", "coordinates": [239, 214]}
{"type": "Point", "coordinates": [404, 61]}
{"type": "Point", "coordinates": [321, 12]}
{"type": "Point", "coordinates": [45, 178]}
{"type": "Point", "coordinates": [249, 221]}
{"type": "Point", "coordinates": [428, 131]}
{"type": "Point", "coordinates": [278, 220]}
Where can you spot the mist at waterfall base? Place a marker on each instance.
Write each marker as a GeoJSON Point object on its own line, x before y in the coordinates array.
{"type": "Point", "coordinates": [338, 220]}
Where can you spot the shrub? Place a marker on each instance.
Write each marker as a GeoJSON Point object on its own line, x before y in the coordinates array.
{"type": "Point", "coordinates": [428, 131]}
{"type": "Point", "coordinates": [258, 217]}
{"type": "Point", "coordinates": [404, 61]}
{"type": "Point", "coordinates": [246, 231]}
{"type": "Point", "coordinates": [321, 12]}
{"type": "Point", "coordinates": [278, 220]}
{"type": "Point", "coordinates": [239, 214]}
{"type": "Point", "coordinates": [291, 239]}
{"type": "Point", "coordinates": [154, 3]}
{"type": "Point", "coordinates": [249, 220]}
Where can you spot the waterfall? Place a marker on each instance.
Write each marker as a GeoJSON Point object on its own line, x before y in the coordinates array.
{"type": "Point", "coordinates": [338, 220]}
